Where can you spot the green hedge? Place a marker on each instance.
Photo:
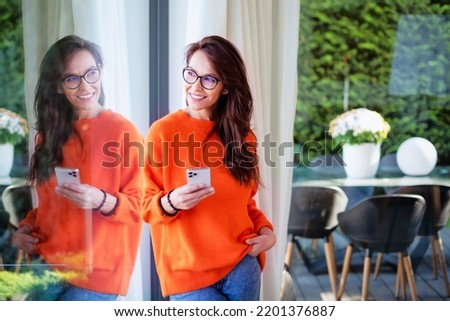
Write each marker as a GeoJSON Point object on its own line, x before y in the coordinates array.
{"type": "Point", "coordinates": [356, 39]}
{"type": "Point", "coordinates": [11, 57]}
{"type": "Point", "coordinates": [12, 94]}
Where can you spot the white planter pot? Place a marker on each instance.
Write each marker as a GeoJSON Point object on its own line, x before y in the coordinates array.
{"type": "Point", "coordinates": [6, 159]}
{"type": "Point", "coordinates": [361, 160]}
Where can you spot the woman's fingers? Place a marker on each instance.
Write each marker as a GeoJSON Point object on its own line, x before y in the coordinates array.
{"type": "Point", "coordinates": [187, 196]}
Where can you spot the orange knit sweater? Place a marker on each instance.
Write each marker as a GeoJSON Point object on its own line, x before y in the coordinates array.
{"type": "Point", "coordinates": [98, 251]}
{"type": "Point", "coordinates": [197, 247]}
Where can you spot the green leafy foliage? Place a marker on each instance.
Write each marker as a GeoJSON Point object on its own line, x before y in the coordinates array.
{"type": "Point", "coordinates": [14, 286]}
{"type": "Point", "coordinates": [11, 57]}
{"type": "Point", "coordinates": [364, 137]}
{"type": "Point", "coordinates": [354, 40]}
{"type": "Point", "coordinates": [12, 95]}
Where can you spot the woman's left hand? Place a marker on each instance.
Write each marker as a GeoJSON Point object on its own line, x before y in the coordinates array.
{"type": "Point", "coordinates": [263, 242]}
{"type": "Point", "coordinates": [82, 195]}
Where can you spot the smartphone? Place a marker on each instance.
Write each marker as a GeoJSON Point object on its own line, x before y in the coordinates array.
{"type": "Point", "coordinates": [199, 176]}
{"type": "Point", "coordinates": [67, 175]}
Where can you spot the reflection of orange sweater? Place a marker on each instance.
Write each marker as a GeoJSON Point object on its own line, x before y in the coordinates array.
{"type": "Point", "coordinates": [102, 250]}
{"type": "Point", "coordinates": [197, 247]}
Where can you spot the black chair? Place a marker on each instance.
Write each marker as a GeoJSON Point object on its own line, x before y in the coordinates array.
{"type": "Point", "coordinates": [435, 218]}
{"type": "Point", "coordinates": [4, 234]}
{"type": "Point", "coordinates": [384, 224]}
{"type": "Point", "coordinates": [313, 215]}
{"type": "Point", "coordinates": [17, 201]}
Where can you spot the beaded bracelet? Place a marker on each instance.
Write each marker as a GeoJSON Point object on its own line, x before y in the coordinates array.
{"type": "Point", "coordinates": [170, 203]}
{"type": "Point", "coordinates": [102, 203]}
{"type": "Point", "coordinates": [164, 210]}
{"type": "Point", "coordinates": [113, 209]}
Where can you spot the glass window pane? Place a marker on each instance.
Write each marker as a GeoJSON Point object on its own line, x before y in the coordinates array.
{"type": "Point", "coordinates": [389, 56]}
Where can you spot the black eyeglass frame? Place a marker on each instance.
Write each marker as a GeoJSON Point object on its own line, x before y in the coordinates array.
{"type": "Point", "coordinates": [201, 78]}
{"type": "Point", "coordinates": [82, 77]}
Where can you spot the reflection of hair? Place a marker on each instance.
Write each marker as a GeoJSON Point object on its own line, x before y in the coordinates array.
{"type": "Point", "coordinates": [235, 108]}
{"type": "Point", "coordinates": [54, 113]}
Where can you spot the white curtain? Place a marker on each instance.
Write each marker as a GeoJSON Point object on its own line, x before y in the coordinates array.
{"type": "Point", "coordinates": [101, 21]}
{"type": "Point", "coordinates": [266, 32]}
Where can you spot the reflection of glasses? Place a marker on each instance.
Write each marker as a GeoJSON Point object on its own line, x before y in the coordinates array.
{"type": "Point", "coordinates": [73, 82]}
{"type": "Point", "coordinates": [207, 82]}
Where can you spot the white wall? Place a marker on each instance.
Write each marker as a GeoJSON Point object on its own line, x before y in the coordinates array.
{"type": "Point", "coordinates": [138, 53]}
{"type": "Point", "coordinates": [137, 12]}
{"type": "Point", "coordinates": [177, 43]}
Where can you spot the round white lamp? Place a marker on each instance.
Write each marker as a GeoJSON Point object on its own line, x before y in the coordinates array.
{"type": "Point", "coordinates": [416, 156]}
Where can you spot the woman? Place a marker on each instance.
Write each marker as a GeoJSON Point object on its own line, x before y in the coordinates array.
{"type": "Point", "coordinates": [209, 241]}
{"type": "Point", "coordinates": [90, 231]}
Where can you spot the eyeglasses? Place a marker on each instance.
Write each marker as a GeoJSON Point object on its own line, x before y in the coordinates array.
{"type": "Point", "coordinates": [207, 82]}
{"type": "Point", "coordinates": [91, 77]}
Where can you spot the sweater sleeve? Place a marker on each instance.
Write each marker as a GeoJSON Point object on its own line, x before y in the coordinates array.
{"type": "Point", "coordinates": [153, 176]}
{"type": "Point", "coordinates": [30, 219]}
{"type": "Point", "coordinates": [129, 192]}
{"type": "Point", "coordinates": [256, 215]}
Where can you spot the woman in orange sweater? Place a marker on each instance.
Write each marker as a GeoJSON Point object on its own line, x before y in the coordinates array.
{"type": "Point", "coordinates": [90, 231]}
{"type": "Point", "coordinates": [209, 241]}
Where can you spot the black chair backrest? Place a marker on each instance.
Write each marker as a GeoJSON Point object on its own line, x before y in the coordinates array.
{"type": "Point", "coordinates": [17, 201]}
{"type": "Point", "coordinates": [383, 223]}
{"type": "Point", "coordinates": [436, 197]}
{"type": "Point", "coordinates": [313, 212]}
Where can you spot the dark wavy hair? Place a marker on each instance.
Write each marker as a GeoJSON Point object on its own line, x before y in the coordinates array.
{"type": "Point", "coordinates": [54, 114]}
{"type": "Point", "coordinates": [235, 109]}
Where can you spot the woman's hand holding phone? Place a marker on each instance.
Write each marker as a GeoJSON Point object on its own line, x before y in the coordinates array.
{"type": "Point", "coordinates": [69, 186]}
{"type": "Point", "coordinates": [198, 187]}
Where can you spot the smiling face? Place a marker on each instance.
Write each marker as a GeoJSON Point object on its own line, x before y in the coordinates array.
{"type": "Point", "coordinates": [202, 102]}
{"type": "Point", "coordinates": [83, 99]}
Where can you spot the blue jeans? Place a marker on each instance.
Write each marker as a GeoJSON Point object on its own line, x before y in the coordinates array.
{"type": "Point", "coordinates": [74, 293]}
{"type": "Point", "coordinates": [241, 284]}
